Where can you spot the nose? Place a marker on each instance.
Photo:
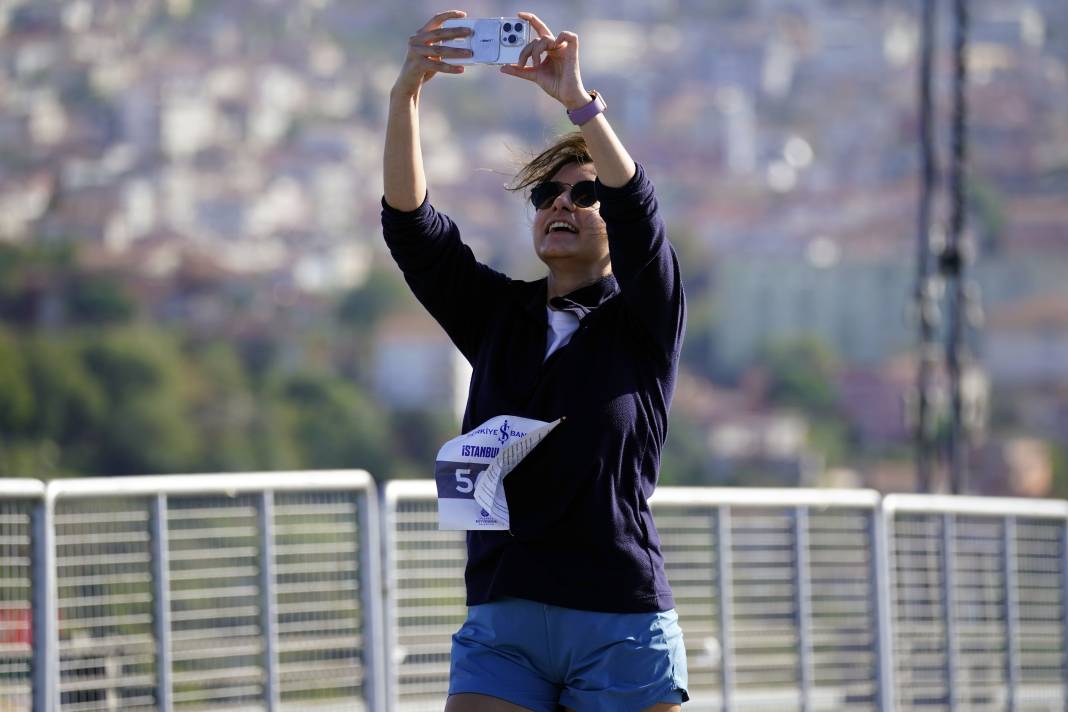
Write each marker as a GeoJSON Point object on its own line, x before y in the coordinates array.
{"type": "Point", "coordinates": [564, 201]}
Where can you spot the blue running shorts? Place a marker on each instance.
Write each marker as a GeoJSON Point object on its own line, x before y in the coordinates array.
{"type": "Point", "coordinates": [541, 656]}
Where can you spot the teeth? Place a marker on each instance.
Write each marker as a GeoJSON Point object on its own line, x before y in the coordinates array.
{"type": "Point", "coordinates": [560, 223]}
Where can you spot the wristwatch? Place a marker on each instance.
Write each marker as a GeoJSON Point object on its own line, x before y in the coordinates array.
{"type": "Point", "coordinates": [583, 114]}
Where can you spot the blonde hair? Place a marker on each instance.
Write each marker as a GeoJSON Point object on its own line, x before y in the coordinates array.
{"type": "Point", "coordinates": [569, 148]}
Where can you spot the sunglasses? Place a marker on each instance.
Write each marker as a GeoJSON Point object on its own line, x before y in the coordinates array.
{"type": "Point", "coordinates": [583, 193]}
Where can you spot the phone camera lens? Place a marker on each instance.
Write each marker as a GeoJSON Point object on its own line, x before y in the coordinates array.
{"type": "Point", "coordinates": [518, 27]}
{"type": "Point", "coordinates": [512, 39]}
{"type": "Point", "coordinates": [508, 27]}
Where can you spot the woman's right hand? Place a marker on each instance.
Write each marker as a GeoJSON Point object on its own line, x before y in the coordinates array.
{"type": "Point", "coordinates": [424, 58]}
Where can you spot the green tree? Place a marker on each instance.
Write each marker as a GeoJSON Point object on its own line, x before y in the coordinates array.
{"type": "Point", "coordinates": [224, 409]}
{"type": "Point", "coordinates": [271, 434]}
{"type": "Point", "coordinates": [69, 400]}
{"type": "Point", "coordinates": [699, 343]}
{"type": "Point", "coordinates": [31, 276]}
{"type": "Point", "coordinates": [258, 355]}
{"type": "Point", "coordinates": [802, 377]}
{"type": "Point", "coordinates": [16, 396]}
{"type": "Point", "coordinates": [71, 405]}
{"type": "Point", "coordinates": [416, 437]}
{"type": "Point", "coordinates": [1060, 470]}
{"type": "Point", "coordinates": [147, 429]}
{"type": "Point", "coordinates": [97, 300]}
{"type": "Point", "coordinates": [698, 346]}
{"type": "Point", "coordinates": [685, 457]}
{"type": "Point", "coordinates": [988, 206]}
{"type": "Point", "coordinates": [802, 374]}
{"type": "Point", "coordinates": [332, 424]}
{"type": "Point", "coordinates": [383, 291]}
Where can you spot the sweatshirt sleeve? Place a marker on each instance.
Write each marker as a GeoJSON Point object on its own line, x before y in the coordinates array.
{"type": "Point", "coordinates": [644, 263]}
{"type": "Point", "coordinates": [442, 271]}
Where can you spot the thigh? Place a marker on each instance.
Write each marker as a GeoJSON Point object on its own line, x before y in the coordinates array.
{"type": "Point", "coordinates": [658, 707]}
{"type": "Point", "coordinates": [495, 660]}
{"type": "Point", "coordinates": [469, 702]}
{"type": "Point", "coordinates": [625, 662]}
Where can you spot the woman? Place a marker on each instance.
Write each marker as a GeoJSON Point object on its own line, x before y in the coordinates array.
{"type": "Point", "coordinates": [570, 607]}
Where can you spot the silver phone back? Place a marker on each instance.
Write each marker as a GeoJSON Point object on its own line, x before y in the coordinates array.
{"type": "Point", "coordinates": [490, 44]}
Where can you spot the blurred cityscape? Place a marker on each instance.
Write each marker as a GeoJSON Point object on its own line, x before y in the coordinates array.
{"type": "Point", "coordinates": [192, 276]}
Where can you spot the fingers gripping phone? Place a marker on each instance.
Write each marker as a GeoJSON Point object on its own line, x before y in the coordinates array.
{"type": "Point", "coordinates": [494, 40]}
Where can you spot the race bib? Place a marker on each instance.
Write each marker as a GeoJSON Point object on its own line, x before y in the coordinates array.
{"type": "Point", "coordinates": [471, 468]}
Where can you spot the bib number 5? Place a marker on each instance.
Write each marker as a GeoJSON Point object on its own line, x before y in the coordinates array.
{"type": "Point", "coordinates": [464, 484]}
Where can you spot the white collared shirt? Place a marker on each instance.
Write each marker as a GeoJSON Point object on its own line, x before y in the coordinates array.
{"type": "Point", "coordinates": [562, 324]}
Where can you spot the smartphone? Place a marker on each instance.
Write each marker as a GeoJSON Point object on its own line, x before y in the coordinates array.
{"type": "Point", "coordinates": [495, 40]}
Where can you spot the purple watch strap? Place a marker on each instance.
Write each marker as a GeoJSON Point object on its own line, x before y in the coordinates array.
{"type": "Point", "coordinates": [583, 114]}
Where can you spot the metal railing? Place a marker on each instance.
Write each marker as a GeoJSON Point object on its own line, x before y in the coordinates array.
{"type": "Point", "coordinates": [980, 597]}
{"type": "Point", "coordinates": [252, 591]}
{"type": "Point", "coordinates": [19, 509]}
{"type": "Point", "coordinates": [800, 599]}
{"type": "Point", "coordinates": [286, 591]}
{"type": "Point", "coordinates": [424, 569]}
{"type": "Point", "coordinates": [777, 594]}
{"type": "Point", "coordinates": [775, 590]}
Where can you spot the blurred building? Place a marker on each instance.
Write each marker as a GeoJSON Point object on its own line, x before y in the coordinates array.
{"type": "Point", "coordinates": [857, 303]}
{"type": "Point", "coordinates": [762, 450]}
{"type": "Point", "coordinates": [1014, 467]}
{"type": "Point", "coordinates": [1026, 355]}
{"type": "Point", "coordinates": [1027, 343]}
{"type": "Point", "coordinates": [416, 367]}
{"type": "Point", "coordinates": [740, 439]}
{"type": "Point", "coordinates": [874, 401]}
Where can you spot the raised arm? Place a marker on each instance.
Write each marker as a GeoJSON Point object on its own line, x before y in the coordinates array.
{"type": "Point", "coordinates": [440, 269]}
{"type": "Point", "coordinates": [642, 259]}
{"type": "Point", "coordinates": [554, 61]}
{"type": "Point", "coordinates": [404, 179]}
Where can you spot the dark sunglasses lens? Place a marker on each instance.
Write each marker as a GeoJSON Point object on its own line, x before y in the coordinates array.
{"type": "Point", "coordinates": [545, 193]}
{"type": "Point", "coordinates": [584, 194]}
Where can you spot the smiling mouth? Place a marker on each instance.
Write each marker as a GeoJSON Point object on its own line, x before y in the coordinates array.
{"type": "Point", "coordinates": [561, 226]}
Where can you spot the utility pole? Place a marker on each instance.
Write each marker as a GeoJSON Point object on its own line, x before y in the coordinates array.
{"type": "Point", "coordinates": [926, 308]}
{"type": "Point", "coordinates": [953, 260]}
{"type": "Point", "coordinates": [961, 296]}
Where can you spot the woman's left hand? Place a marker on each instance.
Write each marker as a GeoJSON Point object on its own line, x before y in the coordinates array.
{"type": "Point", "coordinates": [558, 72]}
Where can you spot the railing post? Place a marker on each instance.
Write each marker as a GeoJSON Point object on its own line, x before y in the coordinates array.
{"type": "Point", "coordinates": [725, 579]}
{"type": "Point", "coordinates": [1012, 614]}
{"type": "Point", "coordinates": [268, 601]}
{"type": "Point", "coordinates": [388, 507]}
{"type": "Point", "coordinates": [803, 606]}
{"type": "Point", "coordinates": [949, 606]}
{"type": "Point", "coordinates": [372, 591]}
{"type": "Point", "coordinates": [45, 616]}
{"type": "Point", "coordinates": [882, 576]}
{"type": "Point", "coordinates": [161, 601]}
{"type": "Point", "coordinates": [1064, 611]}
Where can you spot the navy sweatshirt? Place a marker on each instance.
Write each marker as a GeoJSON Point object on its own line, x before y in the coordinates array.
{"type": "Point", "coordinates": [582, 535]}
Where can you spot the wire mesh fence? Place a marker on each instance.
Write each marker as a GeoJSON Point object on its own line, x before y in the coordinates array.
{"type": "Point", "coordinates": [265, 592]}
{"type": "Point", "coordinates": [802, 600]}
{"type": "Point", "coordinates": [17, 504]}
{"type": "Point", "coordinates": [776, 596]}
{"type": "Point", "coordinates": [980, 614]}
{"type": "Point", "coordinates": [217, 606]}
{"type": "Point", "coordinates": [319, 609]}
{"type": "Point", "coordinates": [104, 604]}
{"type": "Point", "coordinates": [425, 573]}
{"type": "Point", "coordinates": [844, 614]}
{"type": "Point", "coordinates": [202, 593]}
{"type": "Point", "coordinates": [1041, 598]}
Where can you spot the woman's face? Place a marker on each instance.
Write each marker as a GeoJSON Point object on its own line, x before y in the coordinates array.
{"type": "Point", "coordinates": [581, 240]}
